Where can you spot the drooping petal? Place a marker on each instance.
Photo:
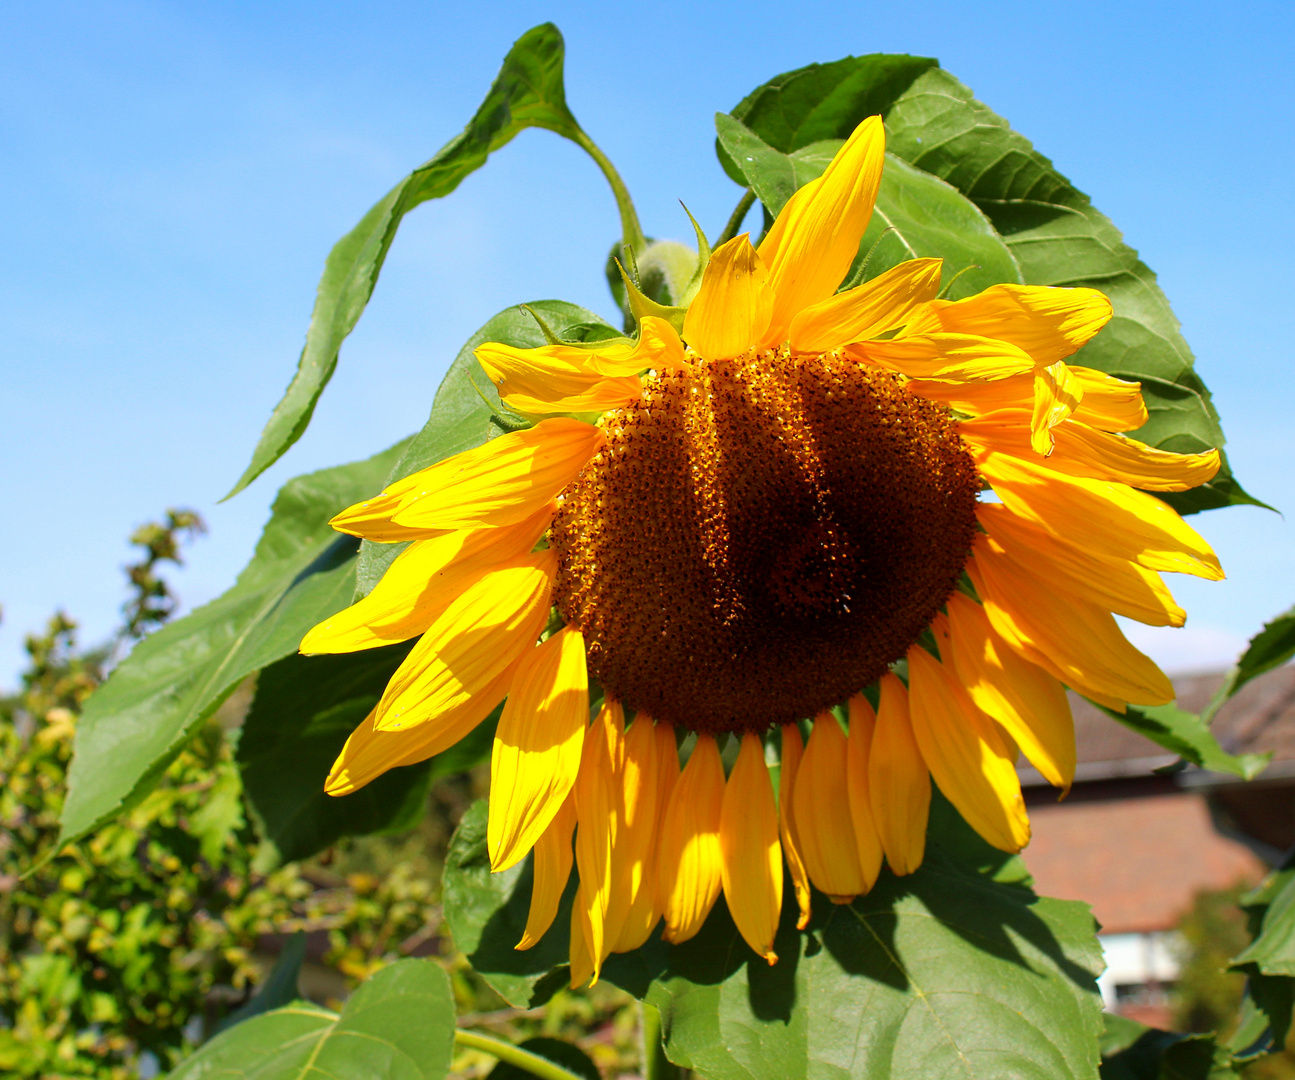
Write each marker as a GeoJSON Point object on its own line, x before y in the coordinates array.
{"type": "Point", "coordinates": [811, 245]}
{"type": "Point", "coordinates": [731, 310]}
{"type": "Point", "coordinates": [582, 961]}
{"type": "Point", "coordinates": [688, 861]}
{"type": "Point", "coordinates": [423, 581]}
{"type": "Point", "coordinates": [1029, 704]}
{"type": "Point", "coordinates": [489, 625]}
{"type": "Point", "coordinates": [503, 482]}
{"type": "Point", "coordinates": [899, 783]}
{"type": "Point", "coordinates": [948, 357]}
{"type": "Point", "coordinates": [1048, 323]}
{"type": "Point", "coordinates": [1119, 585]}
{"type": "Point", "coordinates": [553, 379]}
{"type": "Point", "coordinates": [553, 858]}
{"type": "Point", "coordinates": [751, 857]}
{"type": "Point", "coordinates": [657, 348]}
{"type": "Point", "coordinates": [1099, 515]}
{"type": "Point", "coordinates": [1076, 641]}
{"type": "Point", "coordinates": [537, 746]}
{"type": "Point", "coordinates": [966, 757]}
{"type": "Point", "coordinates": [596, 799]}
{"type": "Point", "coordinates": [1109, 403]}
{"type": "Point", "coordinates": [1056, 396]}
{"type": "Point", "coordinates": [793, 750]}
{"type": "Point", "coordinates": [824, 822]}
{"type": "Point", "coordinates": [632, 911]}
{"type": "Point", "coordinates": [867, 310]}
{"type": "Point", "coordinates": [863, 724]}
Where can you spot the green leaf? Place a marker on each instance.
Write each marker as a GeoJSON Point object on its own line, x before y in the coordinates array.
{"type": "Point", "coordinates": [1268, 649]}
{"type": "Point", "coordinates": [1273, 951]}
{"type": "Point", "coordinates": [527, 92]}
{"type": "Point", "coordinates": [948, 970]}
{"type": "Point", "coordinates": [1052, 229]}
{"type": "Point", "coordinates": [917, 215]}
{"type": "Point", "coordinates": [279, 988]}
{"type": "Point", "coordinates": [397, 1026]}
{"type": "Point", "coordinates": [304, 710]}
{"type": "Point", "coordinates": [466, 411]}
{"type": "Point", "coordinates": [486, 914]}
{"type": "Point", "coordinates": [1133, 1051]}
{"type": "Point", "coordinates": [566, 1054]}
{"type": "Point", "coordinates": [157, 697]}
{"type": "Point", "coordinates": [1187, 735]}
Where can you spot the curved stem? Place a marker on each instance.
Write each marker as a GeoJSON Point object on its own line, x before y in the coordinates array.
{"type": "Point", "coordinates": [631, 231]}
{"type": "Point", "coordinates": [514, 1055]}
{"type": "Point", "coordinates": [656, 1066]}
{"type": "Point", "coordinates": [735, 220]}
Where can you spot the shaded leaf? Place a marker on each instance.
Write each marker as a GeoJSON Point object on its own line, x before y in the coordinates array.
{"type": "Point", "coordinates": [566, 1054]}
{"type": "Point", "coordinates": [1052, 229]}
{"type": "Point", "coordinates": [279, 988]}
{"type": "Point", "coordinates": [1133, 1051]}
{"type": "Point", "coordinates": [1273, 950]}
{"type": "Point", "coordinates": [1268, 649]}
{"type": "Point", "coordinates": [1186, 734]}
{"type": "Point", "coordinates": [527, 92]}
{"type": "Point", "coordinates": [304, 709]}
{"type": "Point", "coordinates": [302, 572]}
{"type": "Point", "coordinates": [397, 1026]}
{"type": "Point", "coordinates": [466, 411]}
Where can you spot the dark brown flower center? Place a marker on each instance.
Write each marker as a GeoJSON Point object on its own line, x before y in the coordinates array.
{"type": "Point", "coordinates": [760, 538]}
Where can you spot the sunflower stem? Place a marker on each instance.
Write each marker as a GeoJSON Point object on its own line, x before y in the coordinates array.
{"type": "Point", "coordinates": [514, 1055]}
{"type": "Point", "coordinates": [735, 219]}
{"type": "Point", "coordinates": [631, 231]}
{"type": "Point", "coordinates": [656, 1066]}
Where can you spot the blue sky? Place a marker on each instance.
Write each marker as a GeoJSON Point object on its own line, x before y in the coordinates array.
{"type": "Point", "coordinates": [174, 175]}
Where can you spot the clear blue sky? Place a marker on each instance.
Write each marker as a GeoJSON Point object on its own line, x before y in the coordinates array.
{"type": "Point", "coordinates": [174, 174]}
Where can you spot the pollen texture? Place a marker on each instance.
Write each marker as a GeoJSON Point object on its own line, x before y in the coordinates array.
{"type": "Point", "coordinates": [760, 538]}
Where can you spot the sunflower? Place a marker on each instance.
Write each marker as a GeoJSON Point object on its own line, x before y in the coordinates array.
{"type": "Point", "coordinates": [897, 522]}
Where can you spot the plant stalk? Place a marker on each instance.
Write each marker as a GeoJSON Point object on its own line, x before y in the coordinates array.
{"type": "Point", "coordinates": [631, 231]}
{"type": "Point", "coordinates": [735, 219]}
{"type": "Point", "coordinates": [656, 1066]}
{"type": "Point", "coordinates": [514, 1055]}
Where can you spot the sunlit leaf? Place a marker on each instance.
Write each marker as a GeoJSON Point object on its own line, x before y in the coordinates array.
{"type": "Point", "coordinates": [1187, 735]}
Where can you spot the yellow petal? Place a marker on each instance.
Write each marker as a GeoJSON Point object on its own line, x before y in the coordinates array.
{"type": "Point", "coordinates": [371, 519]}
{"type": "Point", "coordinates": [632, 910]}
{"type": "Point", "coordinates": [1109, 403]}
{"type": "Point", "coordinates": [1076, 641]}
{"type": "Point", "coordinates": [688, 866]}
{"type": "Point", "coordinates": [811, 245]}
{"type": "Point", "coordinates": [553, 378]}
{"type": "Point", "coordinates": [1048, 323]}
{"type": "Point", "coordinates": [863, 723]}
{"type": "Point", "coordinates": [489, 625]}
{"type": "Point", "coordinates": [1030, 704]}
{"type": "Point", "coordinates": [950, 357]}
{"type": "Point", "coordinates": [553, 858]}
{"type": "Point", "coordinates": [537, 746]}
{"type": "Point", "coordinates": [899, 784]}
{"type": "Point", "coordinates": [582, 961]}
{"type": "Point", "coordinates": [503, 482]}
{"type": "Point", "coordinates": [369, 753]}
{"type": "Point", "coordinates": [793, 750]}
{"type": "Point", "coordinates": [867, 310]}
{"type": "Point", "coordinates": [962, 748]}
{"type": "Point", "coordinates": [596, 799]}
{"type": "Point", "coordinates": [751, 857]}
{"type": "Point", "coordinates": [423, 581]}
{"type": "Point", "coordinates": [1099, 515]}
{"type": "Point", "coordinates": [824, 824]}
{"type": "Point", "coordinates": [1056, 396]}
{"type": "Point", "coordinates": [1118, 585]}
{"type": "Point", "coordinates": [658, 348]}
{"type": "Point", "coordinates": [731, 309]}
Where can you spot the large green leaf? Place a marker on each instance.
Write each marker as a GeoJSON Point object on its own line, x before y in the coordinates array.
{"type": "Point", "coordinates": [917, 215]}
{"type": "Point", "coordinates": [397, 1026]}
{"type": "Point", "coordinates": [959, 968]}
{"type": "Point", "coordinates": [1055, 233]}
{"type": "Point", "coordinates": [466, 411]}
{"type": "Point", "coordinates": [1186, 734]}
{"type": "Point", "coordinates": [304, 710]}
{"type": "Point", "coordinates": [527, 92]}
{"type": "Point", "coordinates": [302, 572]}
